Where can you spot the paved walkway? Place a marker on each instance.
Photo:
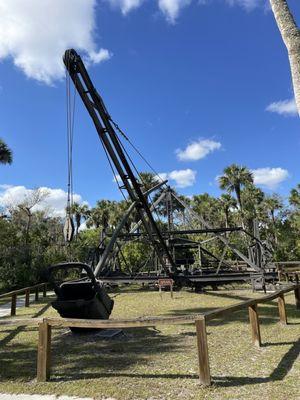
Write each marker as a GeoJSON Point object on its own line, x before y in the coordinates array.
{"type": "Point", "coordinates": [42, 397]}
{"type": "Point", "coordinates": [5, 308]}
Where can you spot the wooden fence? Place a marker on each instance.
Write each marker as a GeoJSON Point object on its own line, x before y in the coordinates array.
{"type": "Point", "coordinates": [200, 320]}
{"type": "Point", "coordinates": [13, 295]}
{"type": "Point", "coordinates": [289, 272]}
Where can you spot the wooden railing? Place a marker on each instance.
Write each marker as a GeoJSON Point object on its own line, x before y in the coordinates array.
{"type": "Point", "coordinates": [200, 320]}
{"type": "Point", "coordinates": [289, 272]}
{"type": "Point", "coordinates": [13, 295]}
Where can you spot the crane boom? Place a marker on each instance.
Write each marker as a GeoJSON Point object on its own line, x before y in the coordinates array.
{"type": "Point", "coordinates": [109, 138]}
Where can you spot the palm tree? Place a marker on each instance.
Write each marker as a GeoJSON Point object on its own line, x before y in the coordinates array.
{"type": "Point", "coordinates": [234, 178]}
{"type": "Point", "coordinates": [148, 180]}
{"type": "Point", "coordinates": [101, 215]}
{"type": "Point", "coordinates": [80, 211]}
{"type": "Point", "coordinates": [6, 156]}
{"type": "Point", "coordinates": [208, 207]}
{"type": "Point", "coordinates": [294, 198]}
{"type": "Point", "coordinates": [227, 203]}
{"type": "Point", "coordinates": [252, 198]}
{"type": "Point", "coordinates": [291, 36]}
{"type": "Point", "coordinates": [272, 204]}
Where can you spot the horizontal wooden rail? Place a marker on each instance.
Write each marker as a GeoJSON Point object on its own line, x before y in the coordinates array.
{"type": "Point", "coordinates": [221, 312]}
{"type": "Point", "coordinates": [23, 290]}
{"type": "Point", "coordinates": [13, 295]}
{"type": "Point", "coordinates": [20, 321]}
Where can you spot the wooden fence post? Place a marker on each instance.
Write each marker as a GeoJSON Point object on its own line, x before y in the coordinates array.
{"type": "Point", "coordinates": [27, 297]}
{"type": "Point", "coordinates": [44, 352]}
{"type": "Point", "coordinates": [45, 290]}
{"type": "Point", "coordinates": [37, 294]}
{"type": "Point", "coordinates": [160, 291]}
{"type": "Point", "coordinates": [13, 305]}
{"type": "Point", "coordinates": [281, 309]}
{"type": "Point", "coordinates": [254, 323]}
{"type": "Point", "coordinates": [297, 298]}
{"type": "Point", "coordinates": [204, 370]}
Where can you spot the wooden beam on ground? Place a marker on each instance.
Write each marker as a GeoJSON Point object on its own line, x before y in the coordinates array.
{"type": "Point", "coordinates": [44, 352]}
{"type": "Point", "coordinates": [254, 323]}
{"type": "Point", "coordinates": [203, 357]}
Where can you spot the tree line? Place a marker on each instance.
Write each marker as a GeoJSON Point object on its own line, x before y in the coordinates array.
{"type": "Point", "coordinates": [31, 238]}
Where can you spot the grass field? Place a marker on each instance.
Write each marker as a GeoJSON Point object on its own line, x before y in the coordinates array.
{"type": "Point", "coordinates": [161, 363]}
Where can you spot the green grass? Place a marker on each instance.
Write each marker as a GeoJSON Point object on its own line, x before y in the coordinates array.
{"type": "Point", "coordinates": [161, 363]}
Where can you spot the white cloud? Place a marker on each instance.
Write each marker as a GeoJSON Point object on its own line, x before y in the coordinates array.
{"type": "Point", "coordinates": [182, 178]}
{"type": "Point", "coordinates": [54, 203]}
{"type": "Point", "coordinates": [97, 57]}
{"type": "Point", "coordinates": [246, 4]}
{"type": "Point", "coordinates": [172, 8]}
{"type": "Point", "coordinates": [197, 150]}
{"type": "Point", "coordinates": [269, 177]}
{"type": "Point", "coordinates": [35, 34]}
{"type": "Point", "coordinates": [125, 5]}
{"type": "Point", "coordinates": [284, 107]}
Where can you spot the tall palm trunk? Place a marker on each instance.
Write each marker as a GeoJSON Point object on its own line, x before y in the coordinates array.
{"type": "Point", "coordinates": [291, 37]}
{"type": "Point", "coordinates": [239, 201]}
{"type": "Point", "coordinates": [274, 226]}
{"type": "Point", "coordinates": [238, 196]}
{"type": "Point", "coordinates": [226, 211]}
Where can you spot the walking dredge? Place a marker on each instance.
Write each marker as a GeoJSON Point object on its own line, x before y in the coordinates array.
{"type": "Point", "coordinates": [173, 250]}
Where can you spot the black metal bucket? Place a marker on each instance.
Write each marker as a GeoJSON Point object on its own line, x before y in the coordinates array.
{"type": "Point", "coordinates": [81, 298]}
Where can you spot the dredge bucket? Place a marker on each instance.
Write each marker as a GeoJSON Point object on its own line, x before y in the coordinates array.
{"type": "Point", "coordinates": [79, 298]}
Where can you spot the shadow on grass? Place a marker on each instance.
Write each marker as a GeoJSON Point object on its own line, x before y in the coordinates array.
{"type": "Point", "coordinates": [87, 356]}
{"type": "Point", "coordinates": [278, 374]}
{"type": "Point", "coordinates": [226, 295]}
{"type": "Point", "coordinates": [91, 375]}
{"type": "Point", "coordinates": [19, 359]}
{"type": "Point", "coordinates": [15, 331]}
{"type": "Point", "coordinates": [115, 366]}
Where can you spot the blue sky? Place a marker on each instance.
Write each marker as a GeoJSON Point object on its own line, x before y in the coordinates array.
{"type": "Point", "coordinates": [190, 86]}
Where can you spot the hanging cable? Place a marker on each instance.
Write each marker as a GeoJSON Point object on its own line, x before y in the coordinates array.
{"type": "Point", "coordinates": [70, 136]}
{"type": "Point", "coordinates": [113, 171]}
{"type": "Point", "coordinates": [70, 113]}
{"type": "Point", "coordinates": [132, 163]}
{"type": "Point", "coordinates": [135, 148]}
{"type": "Point", "coordinates": [139, 175]}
